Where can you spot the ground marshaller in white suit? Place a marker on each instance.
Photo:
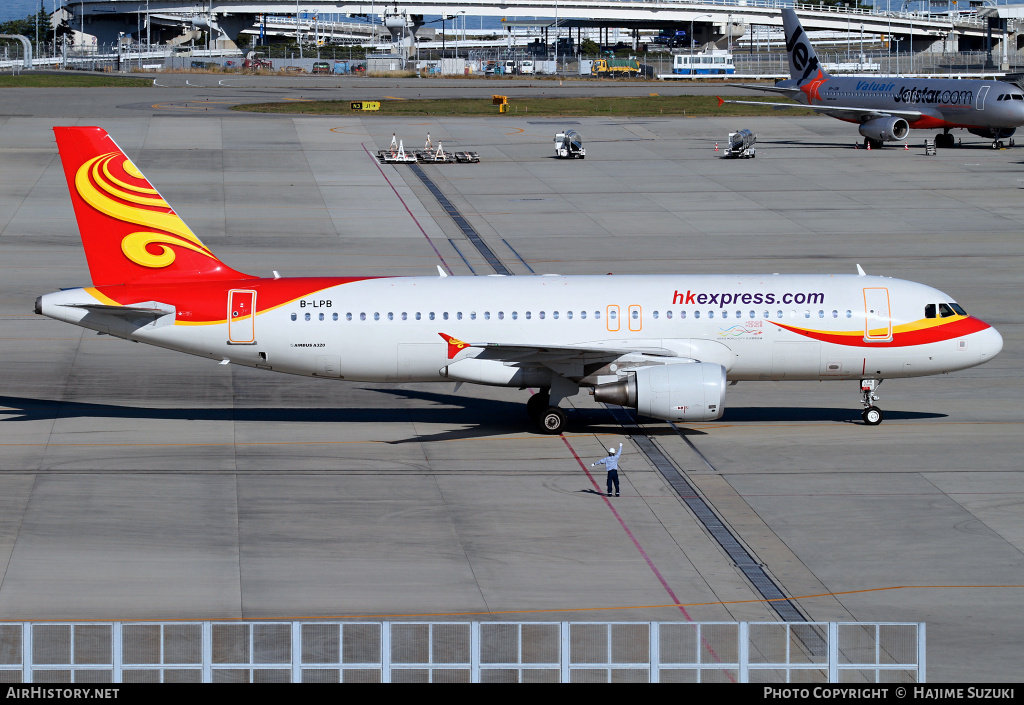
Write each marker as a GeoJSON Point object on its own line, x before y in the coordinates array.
{"type": "Point", "coordinates": [611, 464]}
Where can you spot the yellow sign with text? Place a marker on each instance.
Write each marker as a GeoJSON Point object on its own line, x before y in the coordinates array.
{"type": "Point", "coordinates": [365, 105]}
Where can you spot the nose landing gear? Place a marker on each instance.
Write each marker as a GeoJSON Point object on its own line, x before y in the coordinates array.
{"type": "Point", "coordinates": [872, 415]}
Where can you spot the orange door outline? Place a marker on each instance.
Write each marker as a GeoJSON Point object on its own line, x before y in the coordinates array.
{"type": "Point", "coordinates": [877, 314]}
{"type": "Point", "coordinates": [611, 320]}
{"type": "Point", "coordinates": [242, 316]}
{"type": "Point", "coordinates": [635, 324]}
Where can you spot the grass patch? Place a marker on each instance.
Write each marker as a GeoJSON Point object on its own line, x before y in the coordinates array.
{"type": "Point", "coordinates": [687, 105]}
{"type": "Point", "coordinates": [30, 80]}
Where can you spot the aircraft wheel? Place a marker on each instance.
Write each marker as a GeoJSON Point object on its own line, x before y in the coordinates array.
{"type": "Point", "coordinates": [552, 420]}
{"type": "Point", "coordinates": [872, 416]}
{"type": "Point", "coordinates": [536, 404]}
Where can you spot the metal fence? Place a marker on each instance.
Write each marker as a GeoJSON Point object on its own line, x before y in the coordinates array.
{"type": "Point", "coordinates": [477, 652]}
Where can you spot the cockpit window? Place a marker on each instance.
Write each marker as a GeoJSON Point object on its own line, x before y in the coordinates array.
{"type": "Point", "coordinates": [958, 308]}
{"type": "Point", "coordinates": [945, 311]}
{"type": "Point", "coordinates": [929, 310]}
{"type": "Point", "coordinates": [1017, 96]}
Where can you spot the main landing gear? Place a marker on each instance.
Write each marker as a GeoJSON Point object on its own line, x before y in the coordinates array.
{"type": "Point", "coordinates": [872, 415]}
{"type": "Point", "coordinates": [944, 141]}
{"type": "Point", "coordinates": [550, 419]}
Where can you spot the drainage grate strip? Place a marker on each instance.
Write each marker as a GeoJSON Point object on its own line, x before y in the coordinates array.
{"type": "Point", "coordinates": [471, 234]}
{"type": "Point", "coordinates": [739, 555]}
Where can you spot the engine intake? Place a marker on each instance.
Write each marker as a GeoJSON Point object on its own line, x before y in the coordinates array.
{"type": "Point", "coordinates": [887, 129]}
{"type": "Point", "coordinates": [686, 392]}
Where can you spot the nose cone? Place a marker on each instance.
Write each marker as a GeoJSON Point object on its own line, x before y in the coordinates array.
{"type": "Point", "coordinates": [989, 344]}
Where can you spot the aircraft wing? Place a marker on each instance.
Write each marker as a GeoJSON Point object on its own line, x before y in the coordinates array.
{"type": "Point", "coordinates": [837, 111]}
{"type": "Point", "coordinates": [542, 354]}
{"type": "Point", "coordinates": [147, 310]}
{"type": "Point", "coordinates": [769, 89]}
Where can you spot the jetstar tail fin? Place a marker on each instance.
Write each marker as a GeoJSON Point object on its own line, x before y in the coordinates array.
{"type": "Point", "coordinates": [129, 232]}
{"type": "Point", "coordinates": [803, 62]}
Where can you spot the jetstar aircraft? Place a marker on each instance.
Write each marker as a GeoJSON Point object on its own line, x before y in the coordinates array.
{"type": "Point", "coordinates": [663, 344]}
{"type": "Point", "coordinates": [887, 108]}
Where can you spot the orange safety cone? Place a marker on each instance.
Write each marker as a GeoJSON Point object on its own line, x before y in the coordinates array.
{"type": "Point", "coordinates": [869, 146]}
{"type": "Point", "coordinates": [906, 147]}
{"type": "Point", "coordinates": [716, 146]}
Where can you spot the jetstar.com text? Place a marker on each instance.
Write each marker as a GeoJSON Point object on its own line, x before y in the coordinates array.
{"type": "Point", "coordinates": [691, 298]}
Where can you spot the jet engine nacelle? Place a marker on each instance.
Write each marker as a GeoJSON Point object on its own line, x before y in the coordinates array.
{"type": "Point", "coordinates": [886, 129]}
{"type": "Point", "coordinates": [684, 392]}
{"type": "Point", "coordinates": [993, 133]}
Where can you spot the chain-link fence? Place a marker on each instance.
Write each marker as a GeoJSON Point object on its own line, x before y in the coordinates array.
{"type": "Point", "coordinates": [477, 652]}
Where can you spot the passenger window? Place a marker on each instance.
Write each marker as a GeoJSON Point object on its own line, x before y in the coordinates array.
{"type": "Point", "coordinates": [417, 315]}
{"type": "Point", "coordinates": [444, 315]}
{"type": "Point", "coordinates": [307, 316]}
{"type": "Point", "coordinates": [807, 314]}
{"type": "Point", "coordinates": [779, 315]}
{"type": "Point", "coordinates": [753, 315]}
{"type": "Point", "coordinates": [583, 315]}
{"type": "Point", "coordinates": [696, 314]}
{"type": "Point", "coordinates": [636, 314]}
{"type": "Point", "coordinates": [958, 308]}
{"type": "Point", "coordinates": [405, 316]}
{"type": "Point", "coordinates": [541, 315]}
{"type": "Point", "coordinates": [767, 314]}
{"type": "Point", "coordinates": [555, 315]}
{"type": "Point", "coordinates": [725, 314]}
{"type": "Point", "coordinates": [682, 314]}
{"type": "Point", "coordinates": [668, 315]}
{"type": "Point", "coordinates": [472, 315]}
{"type": "Point", "coordinates": [849, 313]}
{"type": "Point", "coordinates": [487, 315]}
{"type": "Point", "coordinates": [431, 315]}
{"type": "Point", "coordinates": [568, 314]}
{"type": "Point", "coordinates": [515, 315]}
{"type": "Point", "coordinates": [929, 310]}
{"type": "Point", "coordinates": [612, 314]}
{"type": "Point", "coordinates": [391, 316]}
{"type": "Point", "coordinates": [458, 316]}
{"type": "Point", "coordinates": [529, 315]}
{"type": "Point", "coordinates": [655, 314]}
{"type": "Point", "coordinates": [821, 314]}
{"type": "Point", "coordinates": [835, 314]}
{"type": "Point", "coordinates": [294, 317]}
{"type": "Point", "coordinates": [376, 316]}
{"type": "Point", "coordinates": [321, 316]}
{"type": "Point", "coordinates": [597, 315]}
{"type": "Point", "coordinates": [945, 311]}
{"type": "Point", "coordinates": [501, 315]}
{"type": "Point", "coordinates": [362, 316]}
{"type": "Point", "coordinates": [711, 314]}
{"type": "Point", "coordinates": [334, 316]}
{"type": "Point", "coordinates": [348, 316]}
{"type": "Point", "coordinates": [739, 314]}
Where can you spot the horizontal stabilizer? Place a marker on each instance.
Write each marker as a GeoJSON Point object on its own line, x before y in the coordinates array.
{"type": "Point", "coordinates": [149, 309]}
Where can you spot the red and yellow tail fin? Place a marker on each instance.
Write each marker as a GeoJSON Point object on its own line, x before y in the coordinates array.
{"type": "Point", "coordinates": [129, 232]}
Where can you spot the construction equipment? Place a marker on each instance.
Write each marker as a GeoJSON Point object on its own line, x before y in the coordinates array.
{"type": "Point", "coordinates": [741, 144]}
{"type": "Point", "coordinates": [569, 144]}
{"type": "Point", "coordinates": [615, 68]}
{"type": "Point", "coordinates": [501, 101]}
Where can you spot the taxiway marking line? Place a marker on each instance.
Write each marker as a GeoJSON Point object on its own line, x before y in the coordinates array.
{"type": "Point", "coordinates": [643, 553]}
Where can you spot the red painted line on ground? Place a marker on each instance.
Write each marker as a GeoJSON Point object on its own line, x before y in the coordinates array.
{"type": "Point", "coordinates": [429, 241]}
{"type": "Point", "coordinates": [629, 533]}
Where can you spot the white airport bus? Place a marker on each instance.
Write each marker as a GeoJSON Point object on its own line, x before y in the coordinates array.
{"type": "Point", "coordinates": [716, 62]}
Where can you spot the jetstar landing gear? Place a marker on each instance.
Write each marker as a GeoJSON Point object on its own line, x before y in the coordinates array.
{"type": "Point", "coordinates": [944, 141]}
{"type": "Point", "coordinates": [537, 404]}
{"type": "Point", "coordinates": [872, 415]}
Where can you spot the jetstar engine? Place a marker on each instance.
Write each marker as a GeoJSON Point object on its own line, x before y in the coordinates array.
{"type": "Point", "coordinates": [887, 129]}
{"type": "Point", "coordinates": [685, 392]}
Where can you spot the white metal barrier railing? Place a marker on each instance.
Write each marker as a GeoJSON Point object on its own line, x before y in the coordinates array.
{"type": "Point", "coordinates": [511, 652]}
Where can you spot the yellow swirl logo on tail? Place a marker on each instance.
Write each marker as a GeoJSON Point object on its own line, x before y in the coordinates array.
{"type": "Point", "coordinates": [131, 203]}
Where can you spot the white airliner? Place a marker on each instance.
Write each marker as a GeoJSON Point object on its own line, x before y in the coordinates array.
{"type": "Point", "coordinates": [887, 108]}
{"type": "Point", "coordinates": [664, 344]}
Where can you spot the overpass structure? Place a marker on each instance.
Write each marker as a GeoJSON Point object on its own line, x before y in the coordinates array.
{"type": "Point", "coordinates": [713, 18]}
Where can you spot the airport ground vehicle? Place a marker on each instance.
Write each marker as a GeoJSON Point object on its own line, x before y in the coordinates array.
{"type": "Point", "coordinates": [615, 68]}
{"type": "Point", "coordinates": [665, 344]}
{"type": "Point", "coordinates": [712, 63]}
{"type": "Point", "coordinates": [569, 145]}
{"type": "Point", "coordinates": [321, 67]}
{"type": "Point", "coordinates": [526, 67]}
{"type": "Point", "coordinates": [741, 144]}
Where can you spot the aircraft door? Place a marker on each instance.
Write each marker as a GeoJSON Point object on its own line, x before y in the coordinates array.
{"type": "Point", "coordinates": [241, 317]}
{"type": "Point", "coordinates": [980, 102]}
{"type": "Point", "coordinates": [636, 318]}
{"type": "Point", "coordinates": [612, 318]}
{"type": "Point", "coordinates": [877, 318]}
